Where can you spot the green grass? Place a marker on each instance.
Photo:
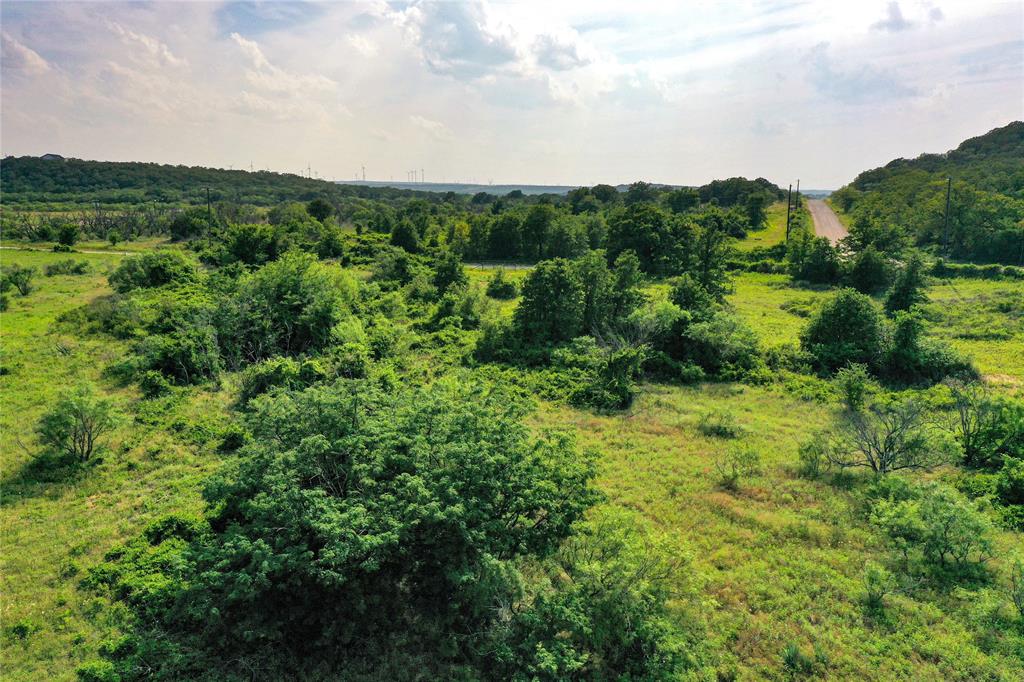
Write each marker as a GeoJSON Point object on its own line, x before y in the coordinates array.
{"type": "Point", "coordinates": [55, 524]}
{"type": "Point", "coordinates": [983, 319]}
{"type": "Point", "coordinates": [778, 561]}
{"type": "Point", "coordinates": [781, 559]}
{"type": "Point", "coordinates": [771, 235]}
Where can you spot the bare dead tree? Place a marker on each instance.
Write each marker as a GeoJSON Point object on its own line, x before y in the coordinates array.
{"type": "Point", "coordinates": [886, 438]}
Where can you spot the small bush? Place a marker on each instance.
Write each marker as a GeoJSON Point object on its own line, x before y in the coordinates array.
{"type": "Point", "coordinates": [19, 277]}
{"type": "Point", "coordinates": [796, 661]}
{"type": "Point", "coordinates": [154, 384]}
{"type": "Point", "coordinates": [869, 271]}
{"type": "Point", "coordinates": [501, 287]}
{"type": "Point", "coordinates": [97, 671]}
{"type": "Point", "coordinates": [153, 269]}
{"type": "Point", "coordinates": [23, 629]}
{"type": "Point", "coordinates": [259, 378]}
{"type": "Point", "coordinates": [949, 534]}
{"type": "Point", "coordinates": [67, 267]}
{"type": "Point", "coordinates": [737, 462]}
{"type": "Point", "coordinates": [878, 583]}
{"type": "Point", "coordinates": [853, 383]}
{"type": "Point", "coordinates": [1017, 585]}
{"type": "Point", "coordinates": [719, 425]}
{"type": "Point", "coordinates": [814, 456]}
{"type": "Point", "coordinates": [76, 423]}
{"type": "Point", "coordinates": [846, 329]}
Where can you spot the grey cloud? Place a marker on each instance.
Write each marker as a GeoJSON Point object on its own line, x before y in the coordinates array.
{"type": "Point", "coordinates": [456, 40]}
{"type": "Point", "coordinates": [555, 54]}
{"type": "Point", "coordinates": [894, 21]}
{"type": "Point", "coordinates": [1006, 56]}
{"type": "Point", "coordinates": [859, 85]}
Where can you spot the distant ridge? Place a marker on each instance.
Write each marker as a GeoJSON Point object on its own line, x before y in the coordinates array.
{"type": "Point", "coordinates": [463, 188]}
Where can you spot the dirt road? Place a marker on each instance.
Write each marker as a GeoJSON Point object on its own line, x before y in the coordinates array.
{"type": "Point", "coordinates": [826, 222]}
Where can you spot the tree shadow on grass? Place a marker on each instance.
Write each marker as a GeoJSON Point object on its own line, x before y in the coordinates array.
{"type": "Point", "coordinates": [44, 475]}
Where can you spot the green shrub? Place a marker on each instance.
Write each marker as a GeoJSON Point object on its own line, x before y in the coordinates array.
{"type": "Point", "coordinates": [813, 456]}
{"type": "Point", "coordinates": [397, 494]}
{"type": "Point", "coordinates": [351, 360]}
{"type": "Point", "coordinates": [812, 259]}
{"type": "Point", "coordinates": [719, 425]}
{"type": "Point", "coordinates": [97, 671]}
{"type": "Point", "coordinates": [878, 583]}
{"type": "Point", "coordinates": [76, 423]}
{"type": "Point", "coordinates": [940, 527]}
{"type": "Point", "coordinates": [18, 276]}
{"type": "Point", "coordinates": [853, 383]}
{"type": "Point", "coordinates": [154, 384]}
{"type": "Point", "coordinates": [912, 359]}
{"type": "Point", "coordinates": [796, 661]}
{"type": "Point", "coordinates": [1016, 587]}
{"type": "Point", "coordinates": [907, 290]}
{"type": "Point", "coordinates": [187, 355]}
{"type": "Point", "coordinates": [153, 269]}
{"type": "Point", "coordinates": [1010, 482]}
{"type": "Point", "coordinates": [259, 378]}
{"type": "Point", "coordinates": [500, 287]}
{"type": "Point", "coordinates": [738, 461]}
{"type": "Point", "coordinates": [67, 267]}
{"type": "Point", "coordinates": [869, 271]}
{"type": "Point", "coordinates": [846, 329]}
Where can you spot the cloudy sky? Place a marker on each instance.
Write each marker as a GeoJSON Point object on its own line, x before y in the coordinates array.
{"type": "Point", "coordinates": [566, 92]}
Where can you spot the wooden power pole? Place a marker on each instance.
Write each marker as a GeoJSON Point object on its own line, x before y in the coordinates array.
{"type": "Point", "coordinates": [945, 219]}
{"type": "Point", "coordinates": [789, 205]}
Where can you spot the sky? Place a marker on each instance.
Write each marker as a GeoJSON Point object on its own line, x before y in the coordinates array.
{"type": "Point", "coordinates": [554, 92]}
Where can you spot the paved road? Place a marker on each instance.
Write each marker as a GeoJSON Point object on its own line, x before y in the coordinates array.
{"type": "Point", "coordinates": [826, 222]}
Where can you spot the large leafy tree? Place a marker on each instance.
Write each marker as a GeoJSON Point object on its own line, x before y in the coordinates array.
{"type": "Point", "coordinates": [361, 531]}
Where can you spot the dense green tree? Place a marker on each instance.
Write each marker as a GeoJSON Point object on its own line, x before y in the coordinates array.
{"type": "Point", "coordinates": [869, 271]}
{"type": "Point", "coordinates": [681, 200]}
{"type": "Point", "coordinates": [153, 269]}
{"type": "Point", "coordinates": [640, 192]}
{"type": "Point", "coordinates": [812, 259]}
{"type": "Point", "coordinates": [286, 307]}
{"type": "Point", "coordinates": [536, 229]}
{"type": "Point", "coordinates": [907, 290]}
{"type": "Point", "coordinates": [846, 329]}
{"type": "Point", "coordinates": [711, 250]}
{"type": "Point", "coordinates": [320, 209]}
{"type": "Point", "coordinates": [448, 272]}
{"type": "Point", "coordinates": [506, 237]}
{"type": "Point", "coordinates": [553, 305]}
{"type": "Point", "coordinates": [370, 532]}
{"type": "Point", "coordinates": [606, 194]}
{"type": "Point", "coordinates": [405, 236]}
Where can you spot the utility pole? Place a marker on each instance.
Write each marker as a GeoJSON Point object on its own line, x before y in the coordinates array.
{"type": "Point", "coordinates": [789, 204]}
{"type": "Point", "coordinates": [209, 210]}
{"type": "Point", "coordinates": [797, 193]}
{"type": "Point", "coordinates": [423, 175]}
{"type": "Point", "coordinates": [364, 173]}
{"type": "Point", "coordinates": [945, 219]}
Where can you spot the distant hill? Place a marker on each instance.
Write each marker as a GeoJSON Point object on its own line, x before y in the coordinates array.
{"type": "Point", "coordinates": [51, 179]}
{"type": "Point", "coordinates": [463, 188]}
{"type": "Point", "coordinates": [904, 202]}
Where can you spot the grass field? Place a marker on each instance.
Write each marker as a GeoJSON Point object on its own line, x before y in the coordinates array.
{"type": "Point", "coordinates": [771, 235]}
{"type": "Point", "coordinates": [777, 562]}
{"type": "Point", "coordinates": [55, 524]}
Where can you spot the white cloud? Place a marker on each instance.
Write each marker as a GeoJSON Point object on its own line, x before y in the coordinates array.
{"type": "Point", "coordinates": [19, 58]}
{"type": "Point", "coordinates": [434, 129]}
{"type": "Point", "coordinates": [583, 91]}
